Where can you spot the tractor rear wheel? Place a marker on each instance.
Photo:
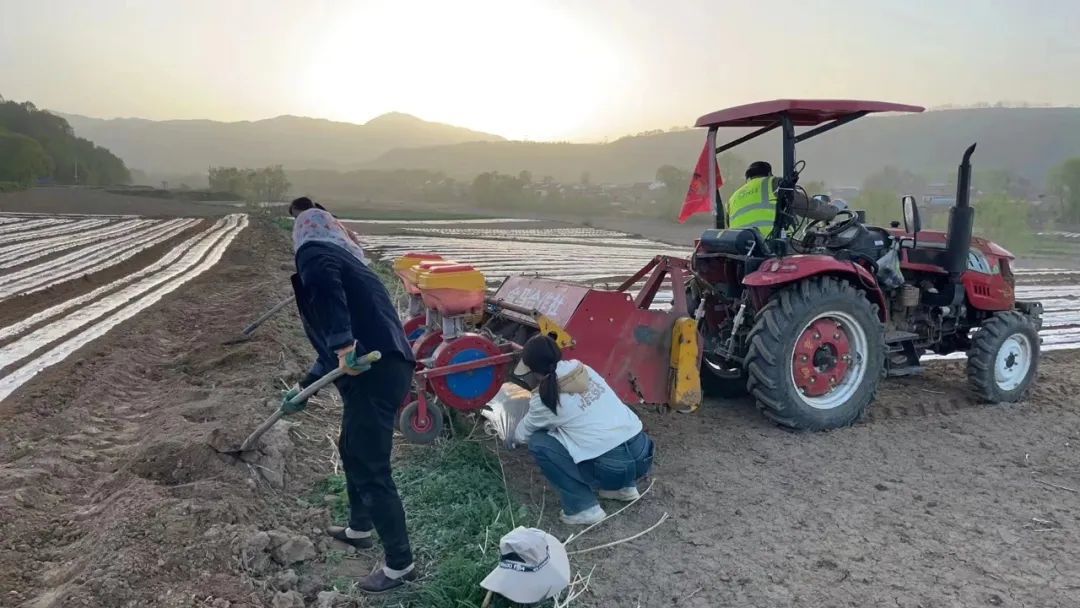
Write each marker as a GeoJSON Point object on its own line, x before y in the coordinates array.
{"type": "Point", "coordinates": [1004, 357]}
{"type": "Point", "coordinates": [816, 355]}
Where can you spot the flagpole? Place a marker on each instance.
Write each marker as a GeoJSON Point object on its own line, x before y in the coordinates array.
{"type": "Point", "coordinates": [714, 195]}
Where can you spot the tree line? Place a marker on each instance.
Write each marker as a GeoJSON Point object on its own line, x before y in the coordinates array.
{"type": "Point", "coordinates": [1003, 199]}
{"type": "Point", "coordinates": [37, 146]}
{"type": "Point", "coordinates": [268, 184]}
{"type": "Point", "coordinates": [1009, 208]}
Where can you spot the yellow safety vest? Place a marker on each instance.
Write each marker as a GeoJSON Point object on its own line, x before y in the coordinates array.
{"type": "Point", "coordinates": [753, 205]}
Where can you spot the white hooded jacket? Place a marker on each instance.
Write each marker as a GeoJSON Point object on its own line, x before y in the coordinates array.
{"type": "Point", "coordinates": [591, 419]}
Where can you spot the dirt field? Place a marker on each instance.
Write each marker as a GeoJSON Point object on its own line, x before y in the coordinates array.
{"type": "Point", "coordinates": [110, 494]}
{"type": "Point", "coordinates": [932, 501]}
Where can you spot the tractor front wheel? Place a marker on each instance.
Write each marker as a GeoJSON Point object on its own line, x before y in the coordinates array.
{"type": "Point", "coordinates": [816, 355]}
{"type": "Point", "coordinates": [1004, 357]}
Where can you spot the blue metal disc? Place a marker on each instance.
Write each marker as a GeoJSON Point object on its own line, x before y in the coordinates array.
{"type": "Point", "coordinates": [473, 383]}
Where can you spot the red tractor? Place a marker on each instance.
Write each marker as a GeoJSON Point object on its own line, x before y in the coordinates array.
{"type": "Point", "coordinates": [811, 316]}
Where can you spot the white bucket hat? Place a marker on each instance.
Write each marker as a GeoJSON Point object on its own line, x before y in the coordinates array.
{"type": "Point", "coordinates": [533, 567]}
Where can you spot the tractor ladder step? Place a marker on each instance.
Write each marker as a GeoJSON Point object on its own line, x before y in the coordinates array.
{"type": "Point", "coordinates": [903, 359]}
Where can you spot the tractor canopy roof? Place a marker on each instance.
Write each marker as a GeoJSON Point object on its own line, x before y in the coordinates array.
{"type": "Point", "coordinates": [801, 112]}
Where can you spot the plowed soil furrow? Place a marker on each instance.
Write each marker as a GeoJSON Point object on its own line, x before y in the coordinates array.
{"type": "Point", "coordinates": [26, 252]}
{"type": "Point", "coordinates": [31, 224]}
{"type": "Point", "coordinates": [111, 280]}
{"type": "Point", "coordinates": [114, 253]}
{"type": "Point", "coordinates": [148, 293]}
{"type": "Point", "coordinates": [118, 306]}
{"type": "Point", "coordinates": [49, 233]}
{"type": "Point", "coordinates": [109, 492]}
{"type": "Point", "coordinates": [19, 308]}
{"type": "Point", "coordinates": [97, 240]}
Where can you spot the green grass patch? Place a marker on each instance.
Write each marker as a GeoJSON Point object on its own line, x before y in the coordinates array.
{"type": "Point", "coordinates": [285, 223]}
{"type": "Point", "coordinates": [457, 509]}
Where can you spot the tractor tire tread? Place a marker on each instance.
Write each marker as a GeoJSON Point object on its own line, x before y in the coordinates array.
{"type": "Point", "coordinates": [757, 348]}
{"type": "Point", "coordinates": [764, 361]}
{"type": "Point", "coordinates": [983, 353]}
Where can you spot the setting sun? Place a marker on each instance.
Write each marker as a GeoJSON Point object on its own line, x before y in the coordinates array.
{"type": "Point", "coordinates": [525, 71]}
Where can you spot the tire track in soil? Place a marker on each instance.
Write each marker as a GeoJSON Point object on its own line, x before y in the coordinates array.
{"type": "Point", "coordinates": [109, 493]}
{"type": "Point", "coordinates": [942, 390]}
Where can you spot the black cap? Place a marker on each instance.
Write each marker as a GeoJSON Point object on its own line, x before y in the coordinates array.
{"type": "Point", "coordinates": [758, 168]}
{"type": "Point", "coordinates": [540, 355]}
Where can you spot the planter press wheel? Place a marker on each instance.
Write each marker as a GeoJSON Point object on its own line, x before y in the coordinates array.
{"type": "Point", "coordinates": [471, 389]}
{"type": "Point", "coordinates": [425, 346]}
{"type": "Point", "coordinates": [420, 430]}
{"type": "Point", "coordinates": [414, 328]}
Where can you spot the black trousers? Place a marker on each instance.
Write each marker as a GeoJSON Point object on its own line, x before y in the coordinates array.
{"type": "Point", "coordinates": [367, 435]}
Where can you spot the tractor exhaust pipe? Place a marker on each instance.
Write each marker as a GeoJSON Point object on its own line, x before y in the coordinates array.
{"type": "Point", "coordinates": [961, 221]}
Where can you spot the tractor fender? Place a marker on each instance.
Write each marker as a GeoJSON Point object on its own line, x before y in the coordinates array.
{"type": "Point", "coordinates": [776, 273]}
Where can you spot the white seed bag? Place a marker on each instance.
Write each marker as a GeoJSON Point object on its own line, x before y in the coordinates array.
{"type": "Point", "coordinates": [505, 411]}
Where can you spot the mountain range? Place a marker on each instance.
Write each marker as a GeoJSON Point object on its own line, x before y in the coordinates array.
{"type": "Point", "coordinates": [189, 146]}
{"type": "Point", "coordinates": [1028, 141]}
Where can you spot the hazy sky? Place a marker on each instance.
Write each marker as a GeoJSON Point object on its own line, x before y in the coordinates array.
{"type": "Point", "coordinates": [535, 69]}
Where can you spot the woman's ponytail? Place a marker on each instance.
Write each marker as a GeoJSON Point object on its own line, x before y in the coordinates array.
{"type": "Point", "coordinates": [549, 391]}
{"type": "Point", "coordinates": [541, 356]}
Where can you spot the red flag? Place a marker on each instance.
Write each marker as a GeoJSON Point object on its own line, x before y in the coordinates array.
{"type": "Point", "coordinates": [697, 198]}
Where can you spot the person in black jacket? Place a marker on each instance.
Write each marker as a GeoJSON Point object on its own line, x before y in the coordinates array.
{"type": "Point", "coordinates": [345, 308]}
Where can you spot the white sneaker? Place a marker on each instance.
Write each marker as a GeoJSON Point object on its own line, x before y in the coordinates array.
{"type": "Point", "coordinates": [627, 494]}
{"type": "Point", "coordinates": [585, 518]}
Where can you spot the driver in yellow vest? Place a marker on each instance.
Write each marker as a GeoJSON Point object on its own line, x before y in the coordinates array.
{"type": "Point", "coordinates": [754, 204]}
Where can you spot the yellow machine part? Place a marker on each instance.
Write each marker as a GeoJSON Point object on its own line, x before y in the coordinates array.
{"type": "Point", "coordinates": [412, 273]}
{"type": "Point", "coordinates": [685, 385]}
{"type": "Point", "coordinates": [404, 262]}
{"type": "Point", "coordinates": [468, 279]}
{"type": "Point", "coordinates": [549, 327]}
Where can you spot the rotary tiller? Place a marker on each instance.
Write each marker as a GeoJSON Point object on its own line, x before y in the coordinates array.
{"type": "Point", "coordinates": [648, 354]}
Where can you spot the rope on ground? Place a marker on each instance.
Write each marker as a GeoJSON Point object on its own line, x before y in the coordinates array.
{"type": "Point", "coordinates": [506, 489]}
{"type": "Point", "coordinates": [574, 537]}
{"type": "Point", "coordinates": [579, 585]}
{"type": "Point", "coordinates": [334, 457]}
{"type": "Point", "coordinates": [663, 518]}
{"type": "Point", "coordinates": [1054, 485]}
{"type": "Point", "coordinates": [543, 503]}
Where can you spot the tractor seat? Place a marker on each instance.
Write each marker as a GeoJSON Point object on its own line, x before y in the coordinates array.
{"type": "Point", "coordinates": [734, 242]}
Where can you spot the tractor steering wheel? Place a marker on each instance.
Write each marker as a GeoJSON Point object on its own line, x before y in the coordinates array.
{"type": "Point", "coordinates": [850, 219]}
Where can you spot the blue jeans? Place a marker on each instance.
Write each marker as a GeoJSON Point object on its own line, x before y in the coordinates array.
{"type": "Point", "coordinates": [615, 469]}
